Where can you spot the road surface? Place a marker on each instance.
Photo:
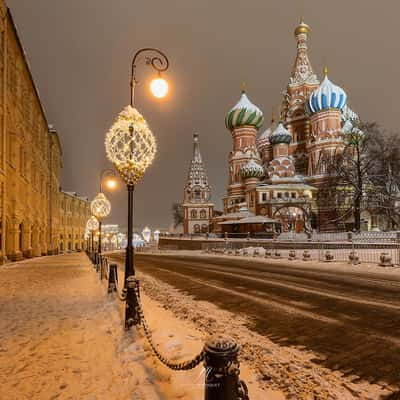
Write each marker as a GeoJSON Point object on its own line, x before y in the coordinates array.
{"type": "Point", "coordinates": [351, 319]}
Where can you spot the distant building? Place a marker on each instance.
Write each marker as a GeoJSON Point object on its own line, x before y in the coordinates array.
{"type": "Point", "coordinates": [32, 220]}
{"type": "Point", "coordinates": [197, 207]}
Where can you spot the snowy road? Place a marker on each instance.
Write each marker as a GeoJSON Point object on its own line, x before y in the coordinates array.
{"type": "Point", "coordinates": [350, 317]}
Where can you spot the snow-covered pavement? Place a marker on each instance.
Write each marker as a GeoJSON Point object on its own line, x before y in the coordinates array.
{"type": "Point", "coordinates": [62, 337]}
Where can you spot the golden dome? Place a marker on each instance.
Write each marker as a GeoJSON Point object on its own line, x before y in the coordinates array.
{"type": "Point", "coordinates": [301, 28]}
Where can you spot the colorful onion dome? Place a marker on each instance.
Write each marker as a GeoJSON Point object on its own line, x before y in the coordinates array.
{"type": "Point", "coordinates": [280, 135]}
{"type": "Point", "coordinates": [328, 95]}
{"type": "Point", "coordinates": [252, 170]}
{"type": "Point", "coordinates": [244, 113]}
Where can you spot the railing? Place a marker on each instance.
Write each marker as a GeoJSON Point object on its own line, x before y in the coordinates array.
{"type": "Point", "coordinates": [219, 354]}
{"type": "Point", "coordinates": [383, 249]}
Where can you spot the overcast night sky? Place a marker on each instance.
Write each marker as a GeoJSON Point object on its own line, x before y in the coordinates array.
{"type": "Point", "coordinates": [80, 53]}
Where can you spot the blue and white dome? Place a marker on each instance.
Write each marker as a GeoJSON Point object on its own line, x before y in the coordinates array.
{"type": "Point", "coordinates": [328, 95]}
{"type": "Point", "coordinates": [280, 135]}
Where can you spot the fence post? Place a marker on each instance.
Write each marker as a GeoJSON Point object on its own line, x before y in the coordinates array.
{"type": "Point", "coordinates": [222, 370]}
{"type": "Point", "coordinates": [112, 278]}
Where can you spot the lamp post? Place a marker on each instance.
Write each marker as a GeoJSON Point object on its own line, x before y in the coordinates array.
{"type": "Point", "coordinates": [100, 206]}
{"type": "Point", "coordinates": [92, 225]}
{"type": "Point", "coordinates": [131, 147]}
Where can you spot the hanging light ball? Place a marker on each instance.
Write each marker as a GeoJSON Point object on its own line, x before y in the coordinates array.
{"type": "Point", "coordinates": [100, 207]}
{"type": "Point", "coordinates": [159, 87]}
{"type": "Point", "coordinates": [130, 145]}
{"type": "Point", "coordinates": [92, 224]}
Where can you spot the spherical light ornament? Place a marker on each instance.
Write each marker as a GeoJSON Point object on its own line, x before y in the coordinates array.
{"type": "Point", "coordinates": [159, 87]}
{"type": "Point", "coordinates": [130, 145]}
{"type": "Point", "coordinates": [92, 224]}
{"type": "Point", "coordinates": [100, 207]}
{"type": "Point", "coordinates": [111, 183]}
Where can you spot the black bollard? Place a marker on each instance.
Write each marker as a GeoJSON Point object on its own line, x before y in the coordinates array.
{"type": "Point", "coordinates": [112, 278]}
{"type": "Point", "coordinates": [132, 316]}
{"type": "Point", "coordinates": [222, 370]}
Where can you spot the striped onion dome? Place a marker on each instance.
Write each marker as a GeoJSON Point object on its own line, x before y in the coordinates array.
{"type": "Point", "coordinates": [327, 95]}
{"type": "Point", "coordinates": [244, 113]}
{"type": "Point", "coordinates": [280, 135]}
{"type": "Point", "coordinates": [252, 170]}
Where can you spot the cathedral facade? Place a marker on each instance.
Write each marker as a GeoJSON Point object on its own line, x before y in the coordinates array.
{"type": "Point", "coordinates": [282, 173]}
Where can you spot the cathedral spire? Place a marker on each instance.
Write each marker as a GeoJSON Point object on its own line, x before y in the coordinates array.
{"type": "Point", "coordinates": [196, 149]}
{"type": "Point", "coordinates": [302, 72]}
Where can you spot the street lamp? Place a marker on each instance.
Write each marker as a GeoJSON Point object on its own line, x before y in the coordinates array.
{"type": "Point", "coordinates": [131, 147]}
{"type": "Point", "coordinates": [92, 225]}
{"type": "Point", "coordinates": [100, 208]}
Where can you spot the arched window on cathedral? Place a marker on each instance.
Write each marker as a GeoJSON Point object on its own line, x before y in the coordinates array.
{"type": "Point", "coordinates": [204, 228]}
{"type": "Point", "coordinates": [193, 214]}
{"type": "Point", "coordinates": [203, 214]}
{"type": "Point", "coordinates": [196, 228]}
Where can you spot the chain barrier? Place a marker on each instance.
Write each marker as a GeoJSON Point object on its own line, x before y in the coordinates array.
{"type": "Point", "coordinates": [121, 292]}
{"type": "Point", "coordinates": [182, 366]}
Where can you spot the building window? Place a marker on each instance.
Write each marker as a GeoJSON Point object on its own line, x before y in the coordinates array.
{"type": "Point", "coordinates": [203, 214]}
{"type": "Point", "coordinates": [196, 228]}
{"type": "Point", "coordinates": [279, 195]}
{"type": "Point", "coordinates": [293, 195]}
{"type": "Point", "coordinates": [193, 214]}
{"type": "Point", "coordinates": [264, 197]}
{"type": "Point", "coordinates": [204, 228]}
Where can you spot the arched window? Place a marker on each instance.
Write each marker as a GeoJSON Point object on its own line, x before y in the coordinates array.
{"type": "Point", "coordinates": [193, 214]}
{"type": "Point", "coordinates": [203, 214]}
{"type": "Point", "coordinates": [204, 228]}
{"type": "Point", "coordinates": [196, 228]}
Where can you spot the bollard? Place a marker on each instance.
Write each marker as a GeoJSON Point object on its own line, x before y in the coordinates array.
{"type": "Point", "coordinates": [354, 258]}
{"type": "Point", "coordinates": [306, 255]}
{"type": "Point", "coordinates": [385, 260]}
{"type": "Point", "coordinates": [132, 316]}
{"type": "Point", "coordinates": [292, 255]}
{"type": "Point", "coordinates": [222, 370]}
{"type": "Point", "coordinates": [98, 262]}
{"type": "Point", "coordinates": [112, 278]}
{"type": "Point", "coordinates": [277, 254]}
{"type": "Point", "coordinates": [237, 252]}
{"type": "Point", "coordinates": [328, 257]}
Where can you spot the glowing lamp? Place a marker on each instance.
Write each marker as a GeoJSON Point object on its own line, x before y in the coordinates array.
{"type": "Point", "coordinates": [100, 207]}
{"type": "Point", "coordinates": [159, 87]}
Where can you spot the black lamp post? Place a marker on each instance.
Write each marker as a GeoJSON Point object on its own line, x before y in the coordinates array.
{"type": "Point", "coordinates": [131, 147]}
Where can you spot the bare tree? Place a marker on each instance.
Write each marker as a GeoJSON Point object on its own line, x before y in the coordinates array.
{"type": "Point", "coordinates": [177, 214]}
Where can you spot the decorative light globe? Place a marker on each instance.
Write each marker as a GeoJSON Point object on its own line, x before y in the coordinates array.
{"type": "Point", "coordinates": [92, 224]}
{"type": "Point", "coordinates": [130, 145]}
{"type": "Point", "coordinates": [100, 207]}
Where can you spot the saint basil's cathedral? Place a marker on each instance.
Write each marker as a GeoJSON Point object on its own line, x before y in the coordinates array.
{"type": "Point", "coordinates": [279, 179]}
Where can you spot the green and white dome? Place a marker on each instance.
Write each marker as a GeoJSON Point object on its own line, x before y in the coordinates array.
{"type": "Point", "coordinates": [252, 170]}
{"type": "Point", "coordinates": [244, 113]}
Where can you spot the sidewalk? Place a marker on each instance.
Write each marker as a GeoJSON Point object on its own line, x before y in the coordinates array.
{"type": "Point", "coordinates": [59, 334]}
{"type": "Point", "coordinates": [62, 337]}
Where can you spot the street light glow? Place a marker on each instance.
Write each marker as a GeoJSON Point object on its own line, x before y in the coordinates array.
{"type": "Point", "coordinates": [159, 87]}
{"type": "Point", "coordinates": [111, 183]}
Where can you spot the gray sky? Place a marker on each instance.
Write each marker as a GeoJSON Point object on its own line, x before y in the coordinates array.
{"type": "Point", "coordinates": [80, 53]}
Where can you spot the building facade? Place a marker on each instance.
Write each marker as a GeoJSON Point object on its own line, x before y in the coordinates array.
{"type": "Point", "coordinates": [282, 173]}
{"type": "Point", "coordinates": [30, 157]}
{"type": "Point", "coordinates": [197, 207]}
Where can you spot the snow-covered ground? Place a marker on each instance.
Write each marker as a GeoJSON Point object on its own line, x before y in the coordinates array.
{"type": "Point", "coordinates": [62, 337]}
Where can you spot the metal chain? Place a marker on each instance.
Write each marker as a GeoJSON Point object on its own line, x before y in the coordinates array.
{"type": "Point", "coordinates": [182, 366]}
{"type": "Point", "coordinates": [121, 293]}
